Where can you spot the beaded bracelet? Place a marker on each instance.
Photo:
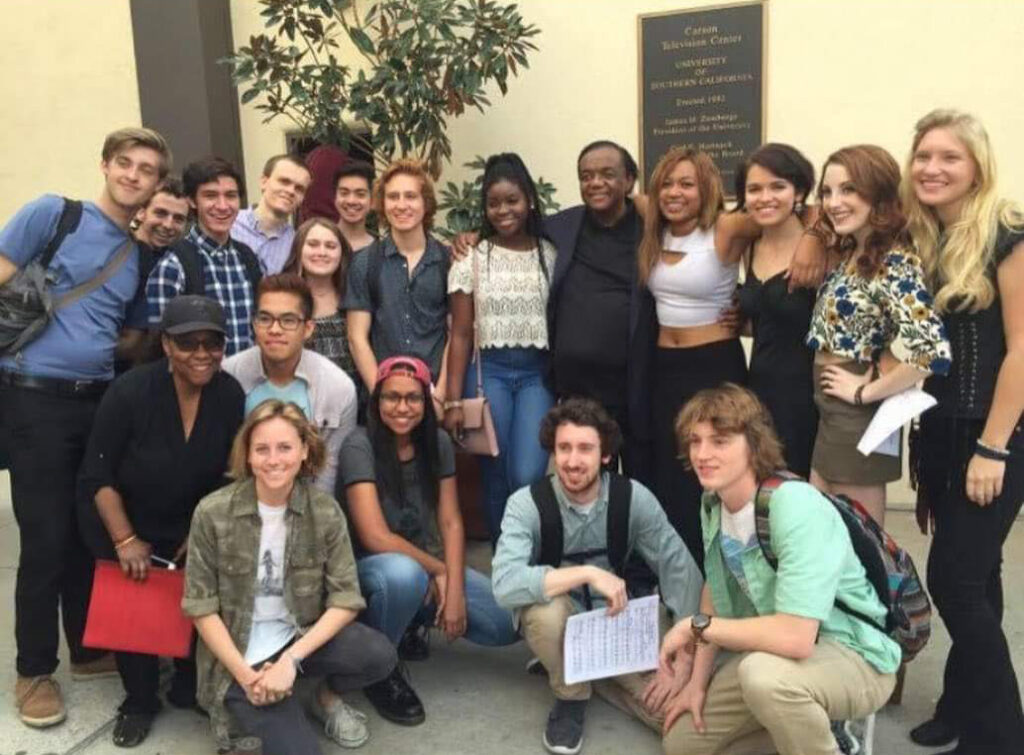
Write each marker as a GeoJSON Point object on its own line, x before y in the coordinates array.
{"type": "Point", "coordinates": [986, 451]}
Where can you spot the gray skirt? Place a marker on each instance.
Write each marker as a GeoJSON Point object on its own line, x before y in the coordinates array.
{"type": "Point", "coordinates": [840, 427]}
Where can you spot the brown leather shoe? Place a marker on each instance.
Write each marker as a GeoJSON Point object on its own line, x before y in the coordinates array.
{"type": "Point", "coordinates": [103, 667]}
{"type": "Point", "coordinates": [39, 701]}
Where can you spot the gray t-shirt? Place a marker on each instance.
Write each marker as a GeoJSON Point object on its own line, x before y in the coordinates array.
{"type": "Point", "coordinates": [412, 517]}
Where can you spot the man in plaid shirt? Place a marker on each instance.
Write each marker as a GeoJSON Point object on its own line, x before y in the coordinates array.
{"type": "Point", "coordinates": [208, 261]}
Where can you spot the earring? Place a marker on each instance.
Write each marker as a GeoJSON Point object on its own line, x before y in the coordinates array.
{"type": "Point", "coordinates": [798, 207]}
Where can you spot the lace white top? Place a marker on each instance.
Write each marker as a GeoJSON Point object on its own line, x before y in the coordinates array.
{"type": "Point", "coordinates": [512, 301]}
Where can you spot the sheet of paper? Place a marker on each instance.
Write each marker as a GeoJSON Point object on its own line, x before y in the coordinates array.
{"type": "Point", "coordinates": [598, 645]}
{"type": "Point", "coordinates": [891, 415]}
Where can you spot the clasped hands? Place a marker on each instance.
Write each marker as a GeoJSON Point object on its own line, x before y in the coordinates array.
{"type": "Point", "coordinates": [271, 683]}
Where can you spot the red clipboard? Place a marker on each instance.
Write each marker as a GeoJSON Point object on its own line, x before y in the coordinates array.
{"type": "Point", "coordinates": [138, 617]}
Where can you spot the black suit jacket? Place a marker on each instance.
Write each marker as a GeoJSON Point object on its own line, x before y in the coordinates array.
{"type": "Point", "coordinates": [564, 229]}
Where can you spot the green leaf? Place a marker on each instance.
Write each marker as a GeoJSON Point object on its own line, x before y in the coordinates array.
{"type": "Point", "coordinates": [361, 40]}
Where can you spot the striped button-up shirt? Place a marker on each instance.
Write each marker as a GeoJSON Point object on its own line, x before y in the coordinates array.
{"type": "Point", "coordinates": [225, 279]}
{"type": "Point", "coordinates": [271, 247]}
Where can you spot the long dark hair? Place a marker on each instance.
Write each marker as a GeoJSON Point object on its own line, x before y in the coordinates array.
{"type": "Point", "coordinates": [508, 166]}
{"type": "Point", "coordinates": [385, 450]}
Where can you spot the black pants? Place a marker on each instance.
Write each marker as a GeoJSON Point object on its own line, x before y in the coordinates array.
{"type": "Point", "coordinates": [140, 673]}
{"type": "Point", "coordinates": [354, 658]}
{"type": "Point", "coordinates": [47, 435]}
{"type": "Point", "coordinates": [678, 374]}
{"type": "Point", "coordinates": [980, 695]}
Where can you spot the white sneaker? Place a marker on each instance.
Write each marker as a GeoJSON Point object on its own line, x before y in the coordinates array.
{"type": "Point", "coordinates": [343, 724]}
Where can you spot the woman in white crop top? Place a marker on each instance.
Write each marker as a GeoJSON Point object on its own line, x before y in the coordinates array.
{"type": "Point", "coordinates": [501, 289]}
{"type": "Point", "coordinates": [689, 259]}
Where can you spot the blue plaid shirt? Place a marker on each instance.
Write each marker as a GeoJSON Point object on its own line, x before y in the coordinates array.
{"type": "Point", "coordinates": [225, 280]}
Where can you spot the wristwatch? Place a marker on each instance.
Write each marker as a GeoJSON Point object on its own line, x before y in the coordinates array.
{"type": "Point", "coordinates": [698, 624]}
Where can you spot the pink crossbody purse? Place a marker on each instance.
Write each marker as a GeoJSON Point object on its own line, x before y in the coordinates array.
{"type": "Point", "coordinates": [478, 435]}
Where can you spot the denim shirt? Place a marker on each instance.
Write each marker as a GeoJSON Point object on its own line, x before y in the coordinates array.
{"type": "Point", "coordinates": [220, 574]}
{"type": "Point", "coordinates": [817, 565]}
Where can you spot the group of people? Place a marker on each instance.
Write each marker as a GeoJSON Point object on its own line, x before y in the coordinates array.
{"type": "Point", "coordinates": [289, 403]}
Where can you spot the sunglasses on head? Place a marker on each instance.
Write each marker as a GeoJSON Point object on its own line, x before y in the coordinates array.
{"type": "Point", "coordinates": [191, 342]}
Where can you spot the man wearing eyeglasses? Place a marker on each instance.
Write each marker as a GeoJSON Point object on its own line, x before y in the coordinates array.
{"type": "Point", "coordinates": [278, 367]}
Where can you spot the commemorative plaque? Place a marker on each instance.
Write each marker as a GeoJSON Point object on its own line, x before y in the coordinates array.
{"type": "Point", "coordinates": [702, 84]}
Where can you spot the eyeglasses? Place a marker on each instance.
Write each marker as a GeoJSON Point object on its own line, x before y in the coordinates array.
{"type": "Point", "coordinates": [394, 399]}
{"type": "Point", "coordinates": [191, 343]}
{"type": "Point", "coordinates": [287, 321]}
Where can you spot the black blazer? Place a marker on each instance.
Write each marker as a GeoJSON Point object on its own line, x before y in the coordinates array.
{"type": "Point", "coordinates": [564, 229]}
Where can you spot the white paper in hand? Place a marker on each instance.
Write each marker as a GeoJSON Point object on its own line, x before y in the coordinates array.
{"type": "Point", "coordinates": [598, 645]}
{"type": "Point", "coordinates": [891, 415]}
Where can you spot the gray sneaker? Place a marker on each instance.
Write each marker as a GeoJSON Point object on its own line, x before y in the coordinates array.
{"type": "Point", "coordinates": [846, 741]}
{"type": "Point", "coordinates": [564, 732]}
{"type": "Point", "coordinates": [342, 723]}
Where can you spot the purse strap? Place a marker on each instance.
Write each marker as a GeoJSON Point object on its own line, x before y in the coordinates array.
{"type": "Point", "coordinates": [476, 323]}
{"type": "Point", "coordinates": [98, 280]}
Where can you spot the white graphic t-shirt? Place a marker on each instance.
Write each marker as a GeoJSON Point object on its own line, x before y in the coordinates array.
{"type": "Point", "coordinates": [739, 534]}
{"type": "Point", "coordinates": [273, 626]}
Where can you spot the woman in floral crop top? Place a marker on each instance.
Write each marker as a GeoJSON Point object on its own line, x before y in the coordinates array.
{"type": "Point", "coordinates": [872, 309]}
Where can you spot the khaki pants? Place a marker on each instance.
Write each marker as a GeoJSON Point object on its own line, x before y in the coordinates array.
{"type": "Point", "coordinates": [763, 703]}
{"type": "Point", "coordinates": [543, 627]}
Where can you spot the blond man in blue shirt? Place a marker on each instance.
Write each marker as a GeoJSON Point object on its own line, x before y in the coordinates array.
{"type": "Point", "coordinates": [793, 661]}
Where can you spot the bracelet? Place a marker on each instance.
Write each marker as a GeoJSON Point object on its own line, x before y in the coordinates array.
{"type": "Point", "coordinates": [986, 451]}
{"type": "Point", "coordinates": [452, 404]}
{"type": "Point", "coordinates": [858, 395]}
{"type": "Point", "coordinates": [130, 539]}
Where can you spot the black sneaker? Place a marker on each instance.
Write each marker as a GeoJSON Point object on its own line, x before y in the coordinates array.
{"type": "Point", "coordinates": [395, 700]}
{"type": "Point", "coordinates": [845, 739]}
{"type": "Point", "coordinates": [415, 644]}
{"type": "Point", "coordinates": [564, 732]}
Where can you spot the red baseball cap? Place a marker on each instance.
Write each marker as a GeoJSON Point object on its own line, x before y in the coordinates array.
{"type": "Point", "coordinates": [404, 365]}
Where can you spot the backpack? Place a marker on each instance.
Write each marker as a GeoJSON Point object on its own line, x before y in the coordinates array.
{"type": "Point", "coordinates": [26, 300]}
{"type": "Point", "coordinates": [890, 569]}
{"type": "Point", "coordinates": [192, 264]}
{"type": "Point", "coordinates": [620, 496]}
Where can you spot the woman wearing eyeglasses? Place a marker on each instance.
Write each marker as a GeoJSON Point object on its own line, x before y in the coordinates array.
{"type": "Point", "coordinates": [398, 478]}
{"type": "Point", "coordinates": [159, 443]}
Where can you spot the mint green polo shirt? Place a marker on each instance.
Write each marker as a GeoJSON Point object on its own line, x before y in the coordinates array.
{"type": "Point", "coordinates": [817, 566]}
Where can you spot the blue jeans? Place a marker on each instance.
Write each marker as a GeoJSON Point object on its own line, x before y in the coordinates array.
{"type": "Point", "coordinates": [514, 387]}
{"type": "Point", "coordinates": [395, 587]}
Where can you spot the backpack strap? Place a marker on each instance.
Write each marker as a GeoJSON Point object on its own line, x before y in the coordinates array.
{"type": "Point", "coordinates": [192, 265]}
{"type": "Point", "coordinates": [67, 223]}
{"type": "Point", "coordinates": [253, 269]}
{"type": "Point", "coordinates": [762, 513]}
{"type": "Point", "coordinates": [620, 496]}
{"type": "Point", "coordinates": [551, 532]}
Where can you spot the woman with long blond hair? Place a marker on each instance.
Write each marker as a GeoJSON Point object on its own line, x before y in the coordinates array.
{"type": "Point", "coordinates": [971, 446]}
{"type": "Point", "coordinates": [689, 260]}
{"type": "Point", "coordinates": [873, 308]}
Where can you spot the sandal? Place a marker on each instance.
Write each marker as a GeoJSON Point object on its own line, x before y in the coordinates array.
{"type": "Point", "coordinates": [131, 729]}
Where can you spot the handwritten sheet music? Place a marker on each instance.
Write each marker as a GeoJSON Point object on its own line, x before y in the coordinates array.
{"type": "Point", "coordinates": [883, 434]}
{"type": "Point", "coordinates": [598, 645]}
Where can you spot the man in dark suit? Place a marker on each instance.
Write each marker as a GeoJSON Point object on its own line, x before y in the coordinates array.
{"type": "Point", "coordinates": [601, 325]}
